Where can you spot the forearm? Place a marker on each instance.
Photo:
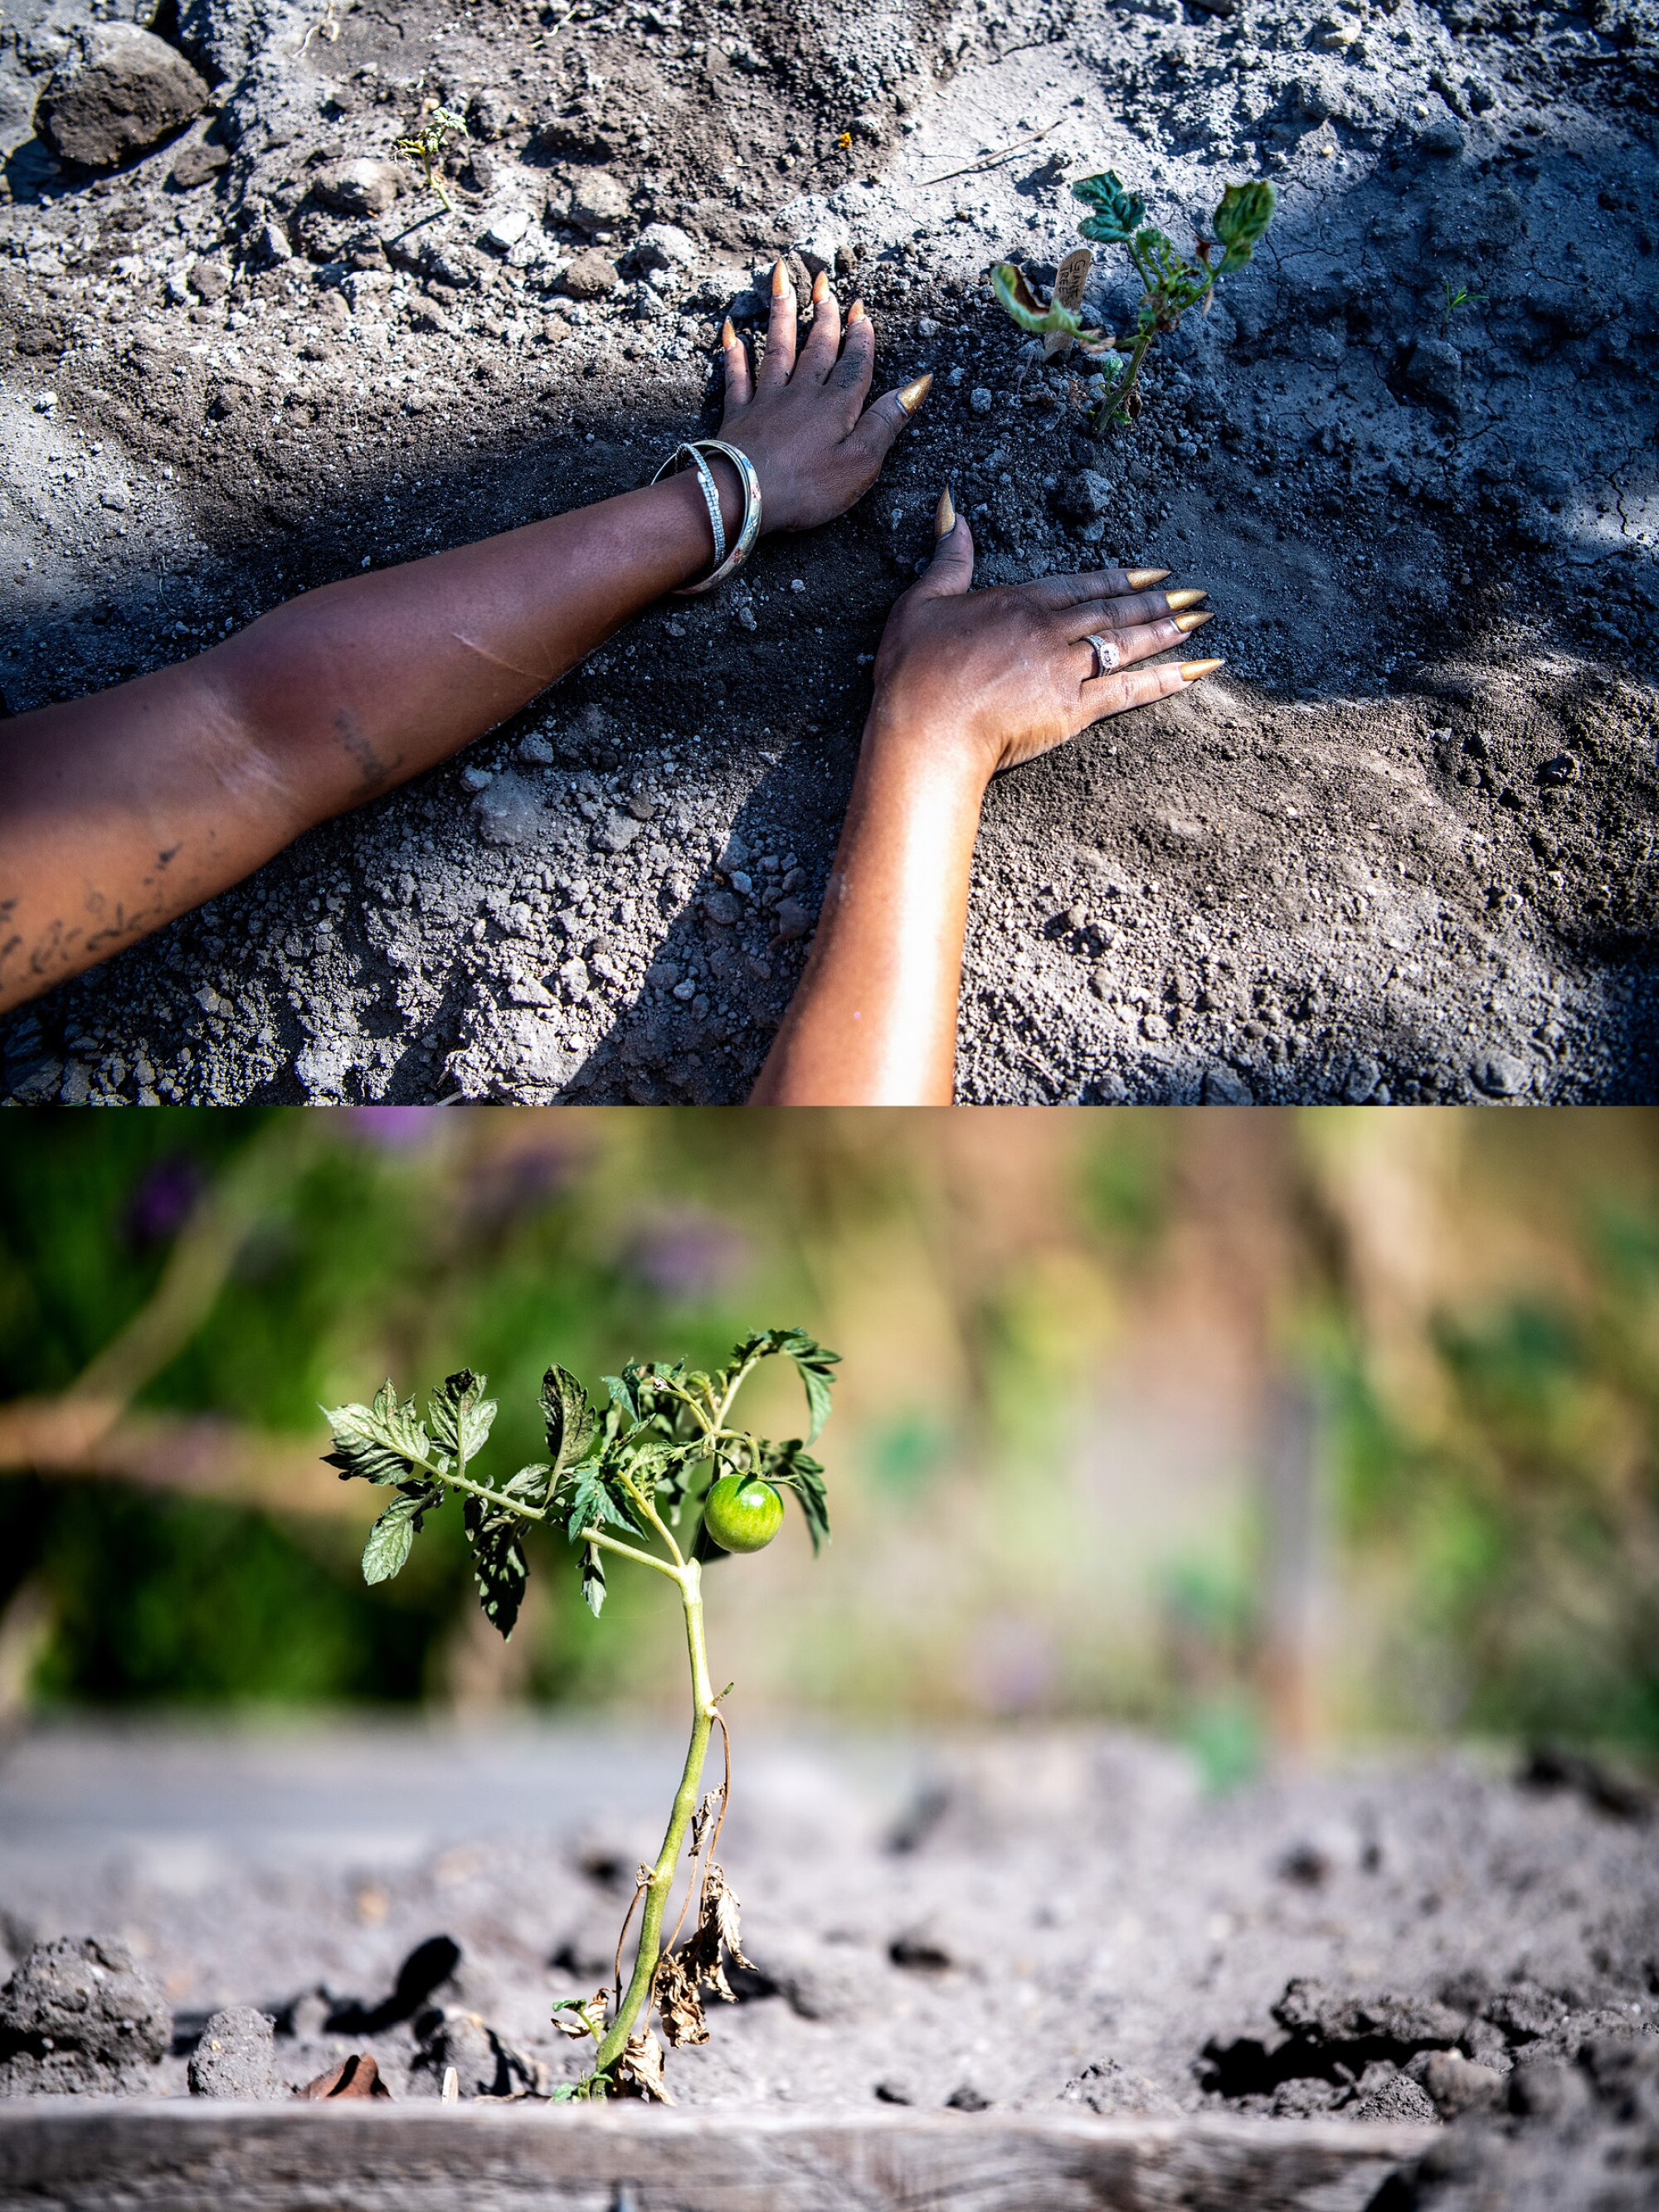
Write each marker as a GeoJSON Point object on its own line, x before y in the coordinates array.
{"type": "Point", "coordinates": [119, 812]}
{"type": "Point", "coordinates": [874, 1020]}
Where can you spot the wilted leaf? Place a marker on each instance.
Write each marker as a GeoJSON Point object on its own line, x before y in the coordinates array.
{"type": "Point", "coordinates": [699, 1820]}
{"type": "Point", "coordinates": [675, 1995]}
{"type": "Point", "coordinates": [461, 1415]}
{"type": "Point", "coordinates": [380, 1443]}
{"type": "Point", "coordinates": [717, 1931]}
{"type": "Point", "coordinates": [499, 1567]}
{"type": "Point", "coordinates": [569, 1417]}
{"type": "Point", "coordinates": [639, 2067]}
{"type": "Point", "coordinates": [593, 1581]}
{"type": "Point", "coordinates": [390, 1539]}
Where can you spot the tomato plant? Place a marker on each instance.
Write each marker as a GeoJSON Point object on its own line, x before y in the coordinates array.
{"type": "Point", "coordinates": [662, 1478]}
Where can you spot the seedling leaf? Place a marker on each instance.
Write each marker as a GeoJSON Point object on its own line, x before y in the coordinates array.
{"type": "Point", "coordinates": [1117, 214]}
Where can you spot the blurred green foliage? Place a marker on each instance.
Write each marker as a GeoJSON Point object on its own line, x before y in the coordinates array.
{"type": "Point", "coordinates": [1049, 1322]}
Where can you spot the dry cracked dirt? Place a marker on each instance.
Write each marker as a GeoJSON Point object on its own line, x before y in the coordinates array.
{"type": "Point", "coordinates": [1402, 848]}
{"type": "Point", "coordinates": [997, 1923]}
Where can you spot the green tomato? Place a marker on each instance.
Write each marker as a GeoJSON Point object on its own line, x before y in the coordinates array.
{"type": "Point", "coordinates": [742, 1513]}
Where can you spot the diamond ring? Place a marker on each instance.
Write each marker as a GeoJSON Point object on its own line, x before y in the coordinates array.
{"type": "Point", "coordinates": [1107, 655]}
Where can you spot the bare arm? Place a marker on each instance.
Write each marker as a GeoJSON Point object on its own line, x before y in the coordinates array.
{"type": "Point", "coordinates": [119, 811]}
{"type": "Point", "coordinates": [965, 684]}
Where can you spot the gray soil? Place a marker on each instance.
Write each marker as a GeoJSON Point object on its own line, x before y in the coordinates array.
{"type": "Point", "coordinates": [995, 1923]}
{"type": "Point", "coordinates": [1402, 848]}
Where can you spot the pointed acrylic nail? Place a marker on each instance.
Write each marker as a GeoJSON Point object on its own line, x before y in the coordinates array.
{"type": "Point", "coordinates": [1142, 579]}
{"type": "Point", "coordinates": [944, 520]}
{"type": "Point", "coordinates": [820, 288]}
{"type": "Point", "coordinates": [780, 279]}
{"type": "Point", "coordinates": [915, 391]}
{"type": "Point", "coordinates": [728, 336]}
{"type": "Point", "coordinates": [1188, 623]}
{"type": "Point", "coordinates": [1192, 669]}
{"type": "Point", "coordinates": [1176, 600]}
{"type": "Point", "coordinates": [855, 314]}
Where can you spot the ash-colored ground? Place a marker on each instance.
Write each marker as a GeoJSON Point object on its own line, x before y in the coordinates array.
{"type": "Point", "coordinates": [1402, 848]}
{"type": "Point", "coordinates": [992, 1923]}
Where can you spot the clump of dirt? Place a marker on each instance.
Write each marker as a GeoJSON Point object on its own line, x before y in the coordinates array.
{"type": "Point", "coordinates": [79, 2015]}
{"type": "Point", "coordinates": [1401, 850]}
{"type": "Point", "coordinates": [1578, 2131]}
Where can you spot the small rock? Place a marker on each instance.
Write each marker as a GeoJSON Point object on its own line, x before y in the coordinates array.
{"type": "Point", "coordinates": [1434, 371]}
{"type": "Point", "coordinates": [598, 201]}
{"type": "Point", "coordinates": [508, 811]}
{"type": "Point", "coordinates": [967, 2098]}
{"type": "Point", "coordinates": [79, 2014]}
{"type": "Point", "coordinates": [927, 328]}
{"type": "Point", "coordinates": [1562, 768]}
{"type": "Point", "coordinates": [665, 246]}
{"type": "Point", "coordinates": [485, 2065]}
{"type": "Point", "coordinates": [1455, 2084]}
{"type": "Point", "coordinates": [1363, 1078]}
{"type": "Point", "coordinates": [721, 908]}
{"type": "Point", "coordinates": [477, 779]}
{"type": "Point", "coordinates": [208, 280]}
{"type": "Point", "coordinates": [236, 2056]}
{"type": "Point", "coordinates": [617, 831]}
{"type": "Point", "coordinates": [1222, 1087]}
{"type": "Point", "coordinates": [1085, 496]}
{"type": "Point", "coordinates": [1443, 139]}
{"type": "Point", "coordinates": [979, 400]}
{"type": "Point", "coordinates": [1108, 2087]}
{"type": "Point", "coordinates": [793, 919]}
{"type": "Point", "coordinates": [197, 164]}
{"type": "Point", "coordinates": [508, 229]}
{"type": "Point", "coordinates": [122, 93]}
{"type": "Point", "coordinates": [746, 617]}
{"type": "Point", "coordinates": [1501, 1075]}
{"type": "Point", "coordinates": [895, 2089]}
{"type": "Point", "coordinates": [1154, 1027]}
{"type": "Point", "coordinates": [535, 751]}
{"type": "Point", "coordinates": [489, 116]}
{"type": "Point", "coordinates": [115, 497]}
{"type": "Point", "coordinates": [590, 276]}
{"type": "Point", "coordinates": [362, 186]}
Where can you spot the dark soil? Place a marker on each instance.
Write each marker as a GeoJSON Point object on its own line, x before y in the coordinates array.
{"type": "Point", "coordinates": [1401, 849]}
{"type": "Point", "coordinates": [992, 1925]}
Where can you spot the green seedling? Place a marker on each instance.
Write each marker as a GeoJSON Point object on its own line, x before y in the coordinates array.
{"type": "Point", "coordinates": [1457, 300]}
{"type": "Point", "coordinates": [661, 1478]}
{"type": "Point", "coordinates": [426, 144]}
{"type": "Point", "coordinates": [1170, 283]}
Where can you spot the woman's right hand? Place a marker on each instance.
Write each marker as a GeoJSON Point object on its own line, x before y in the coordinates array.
{"type": "Point", "coordinates": [1000, 676]}
{"type": "Point", "coordinates": [801, 418]}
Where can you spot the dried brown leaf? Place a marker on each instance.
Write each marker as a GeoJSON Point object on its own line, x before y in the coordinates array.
{"type": "Point", "coordinates": [699, 1820]}
{"type": "Point", "coordinates": [639, 2067]}
{"type": "Point", "coordinates": [356, 2076]}
{"type": "Point", "coordinates": [718, 1930]}
{"type": "Point", "coordinates": [675, 1995]}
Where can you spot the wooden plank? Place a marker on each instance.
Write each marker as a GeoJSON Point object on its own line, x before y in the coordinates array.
{"type": "Point", "coordinates": [66, 2155]}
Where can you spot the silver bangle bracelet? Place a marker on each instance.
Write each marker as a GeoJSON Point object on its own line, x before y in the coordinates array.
{"type": "Point", "coordinates": [726, 563]}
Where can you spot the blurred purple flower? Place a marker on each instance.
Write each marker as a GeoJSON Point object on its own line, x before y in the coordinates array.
{"type": "Point", "coordinates": [160, 1201]}
{"type": "Point", "coordinates": [686, 1255]}
{"type": "Point", "coordinates": [396, 1128]}
{"type": "Point", "coordinates": [503, 1187]}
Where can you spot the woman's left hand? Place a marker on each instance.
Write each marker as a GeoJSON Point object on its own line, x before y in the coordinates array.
{"type": "Point", "coordinates": [802, 420]}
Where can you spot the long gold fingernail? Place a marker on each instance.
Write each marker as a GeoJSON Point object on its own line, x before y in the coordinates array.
{"type": "Point", "coordinates": [1176, 600]}
{"type": "Point", "coordinates": [855, 314]}
{"type": "Point", "coordinates": [1142, 579]}
{"type": "Point", "coordinates": [820, 288]}
{"type": "Point", "coordinates": [915, 391]}
{"type": "Point", "coordinates": [780, 279]}
{"type": "Point", "coordinates": [728, 336]}
{"type": "Point", "coordinates": [1192, 669]}
{"type": "Point", "coordinates": [1188, 623]}
{"type": "Point", "coordinates": [945, 518]}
